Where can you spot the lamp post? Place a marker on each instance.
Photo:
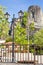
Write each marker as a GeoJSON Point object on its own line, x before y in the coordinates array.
{"type": "Point", "coordinates": [20, 13]}
{"type": "Point", "coordinates": [13, 38]}
{"type": "Point", "coordinates": [11, 32]}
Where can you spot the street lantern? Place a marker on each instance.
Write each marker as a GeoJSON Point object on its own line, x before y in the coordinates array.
{"type": "Point", "coordinates": [20, 13]}
{"type": "Point", "coordinates": [7, 15]}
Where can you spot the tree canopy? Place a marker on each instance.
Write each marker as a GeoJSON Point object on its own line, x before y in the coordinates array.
{"type": "Point", "coordinates": [4, 24]}
{"type": "Point", "coordinates": [38, 37]}
{"type": "Point", "coordinates": [20, 35]}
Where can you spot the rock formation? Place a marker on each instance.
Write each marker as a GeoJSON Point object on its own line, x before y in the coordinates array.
{"type": "Point", "coordinates": [36, 15]}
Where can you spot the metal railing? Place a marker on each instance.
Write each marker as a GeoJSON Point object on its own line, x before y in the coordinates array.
{"type": "Point", "coordinates": [22, 54]}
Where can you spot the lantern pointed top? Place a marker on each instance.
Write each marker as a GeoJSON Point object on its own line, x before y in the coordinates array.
{"type": "Point", "coordinates": [7, 13]}
{"type": "Point", "coordinates": [20, 11]}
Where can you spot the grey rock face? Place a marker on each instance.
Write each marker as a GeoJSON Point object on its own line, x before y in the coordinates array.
{"type": "Point", "coordinates": [36, 15]}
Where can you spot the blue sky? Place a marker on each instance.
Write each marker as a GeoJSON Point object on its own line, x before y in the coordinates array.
{"type": "Point", "coordinates": [13, 6]}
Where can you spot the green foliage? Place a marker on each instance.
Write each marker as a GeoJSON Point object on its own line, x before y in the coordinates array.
{"type": "Point", "coordinates": [31, 26]}
{"type": "Point", "coordinates": [20, 35]}
{"type": "Point", "coordinates": [31, 50]}
{"type": "Point", "coordinates": [9, 39]}
{"type": "Point", "coordinates": [20, 32]}
{"type": "Point", "coordinates": [24, 19]}
{"type": "Point", "coordinates": [4, 24]}
{"type": "Point", "coordinates": [38, 37]}
{"type": "Point", "coordinates": [30, 41]}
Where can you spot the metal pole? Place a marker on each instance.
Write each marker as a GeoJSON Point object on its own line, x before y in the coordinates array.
{"type": "Point", "coordinates": [21, 20]}
{"type": "Point", "coordinates": [13, 40]}
{"type": "Point", "coordinates": [34, 55]}
{"type": "Point", "coordinates": [13, 45]}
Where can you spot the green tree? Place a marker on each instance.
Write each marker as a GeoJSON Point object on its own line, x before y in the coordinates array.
{"type": "Point", "coordinates": [38, 41]}
{"type": "Point", "coordinates": [4, 24]}
{"type": "Point", "coordinates": [31, 29]}
{"type": "Point", "coordinates": [38, 37]}
{"type": "Point", "coordinates": [21, 31]}
{"type": "Point", "coordinates": [25, 19]}
{"type": "Point", "coordinates": [31, 26]}
{"type": "Point", "coordinates": [20, 35]}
